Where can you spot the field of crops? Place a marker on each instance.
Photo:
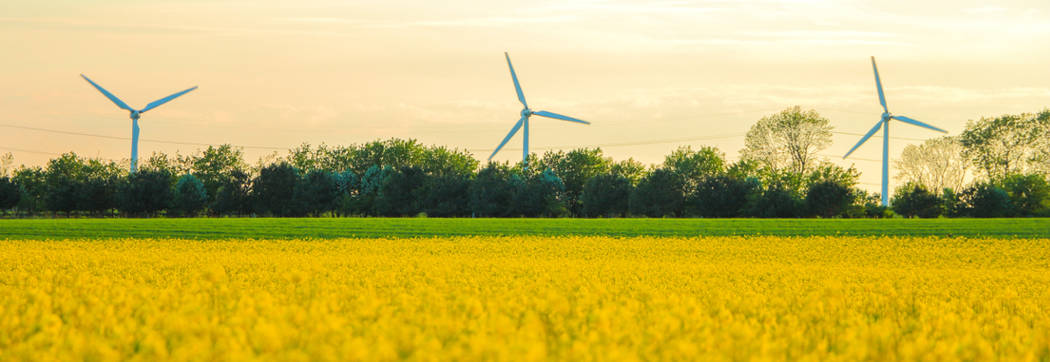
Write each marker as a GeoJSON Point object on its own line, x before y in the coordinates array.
{"type": "Point", "coordinates": [567, 298]}
{"type": "Point", "coordinates": [330, 228]}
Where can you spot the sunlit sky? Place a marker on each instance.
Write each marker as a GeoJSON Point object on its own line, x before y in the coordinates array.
{"type": "Point", "coordinates": [650, 75]}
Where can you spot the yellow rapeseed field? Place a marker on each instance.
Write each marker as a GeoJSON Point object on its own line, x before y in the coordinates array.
{"type": "Point", "coordinates": [527, 298]}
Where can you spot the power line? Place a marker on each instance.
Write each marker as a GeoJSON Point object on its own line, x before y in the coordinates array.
{"type": "Point", "coordinates": [851, 158]}
{"type": "Point", "coordinates": [641, 143]}
{"type": "Point", "coordinates": [128, 138]}
{"type": "Point", "coordinates": [28, 151]}
{"type": "Point", "coordinates": [878, 136]}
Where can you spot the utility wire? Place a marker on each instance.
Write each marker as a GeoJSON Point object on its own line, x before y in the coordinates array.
{"type": "Point", "coordinates": [879, 136]}
{"type": "Point", "coordinates": [27, 151]}
{"type": "Point", "coordinates": [641, 143]}
{"type": "Point", "coordinates": [128, 138]}
{"type": "Point", "coordinates": [621, 144]}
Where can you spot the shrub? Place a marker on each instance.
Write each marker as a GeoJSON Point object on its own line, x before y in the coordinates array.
{"type": "Point", "coordinates": [913, 200]}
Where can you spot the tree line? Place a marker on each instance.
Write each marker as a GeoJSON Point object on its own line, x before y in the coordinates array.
{"type": "Point", "coordinates": [778, 175]}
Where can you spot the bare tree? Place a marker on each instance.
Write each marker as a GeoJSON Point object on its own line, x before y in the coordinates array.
{"type": "Point", "coordinates": [1008, 144]}
{"type": "Point", "coordinates": [936, 164]}
{"type": "Point", "coordinates": [7, 162]}
{"type": "Point", "coordinates": [788, 140]}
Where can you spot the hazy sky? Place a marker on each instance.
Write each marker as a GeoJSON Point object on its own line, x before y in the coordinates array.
{"type": "Point", "coordinates": [650, 75]}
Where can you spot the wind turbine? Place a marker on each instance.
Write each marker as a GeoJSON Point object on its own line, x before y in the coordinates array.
{"type": "Point", "coordinates": [135, 114]}
{"type": "Point", "coordinates": [885, 124]}
{"type": "Point", "coordinates": [524, 121]}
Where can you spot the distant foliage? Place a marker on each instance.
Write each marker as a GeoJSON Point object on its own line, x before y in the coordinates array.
{"type": "Point", "coordinates": [936, 164]}
{"type": "Point", "coordinates": [403, 178]}
{"type": "Point", "coordinates": [189, 197]}
{"type": "Point", "coordinates": [659, 194]}
{"type": "Point", "coordinates": [724, 196]}
{"type": "Point", "coordinates": [829, 198]}
{"type": "Point", "coordinates": [146, 192]}
{"type": "Point", "coordinates": [274, 190]}
{"type": "Point", "coordinates": [1029, 195]}
{"type": "Point", "coordinates": [606, 195]}
{"type": "Point", "coordinates": [1009, 144]}
{"type": "Point", "coordinates": [985, 200]}
{"type": "Point", "coordinates": [9, 194]}
{"type": "Point", "coordinates": [788, 141]}
{"type": "Point", "coordinates": [914, 200]}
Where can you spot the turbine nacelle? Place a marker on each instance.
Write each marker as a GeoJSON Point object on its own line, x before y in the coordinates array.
{"type": "Point", "coordinates": [525, 113]}
{"type": "Point", "coordinates": [135, 115]}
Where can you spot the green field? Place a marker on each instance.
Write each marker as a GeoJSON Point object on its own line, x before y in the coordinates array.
{"type": "Point", "coordinates": [322, 228]}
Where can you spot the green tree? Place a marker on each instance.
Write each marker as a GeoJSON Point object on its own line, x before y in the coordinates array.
{"type": "Point", "coordinates": [1009, 144]}
{"type": "Point", "coordinates": [630, 169]}
{"type": "Point", "coordinates": [1029, 194]}
{"type": "Point", "coordinates": [215, 167]}
{"type": "Point", "coordinates": [349, 193]}
{"type": "Point", "coordinates": [63, 178]}
{"type": "Point", "coordinates": [491, 193]}
{"type": "Point", "coordinates": [446, 195]}
{"type": "Point", "coordinates": [306, 158]}
{"type": "Point", "coordinates": [317, 192]}
{"type": "Point", "coordinates": [32, 184]}
{"type": "Point", "coordinates": [913, 199]}
{"type": "Point", "coordinates": [985, 199]}
{"type": "Point", "coordinates": [370, 184]}
{"type": "Point", "coordinates": [951, 203]}
{"type": "Point", "coordinates": [724, 196]}
{"type": "Point", "coordinates": [575, 168]}
{"type": "Point", "coordinates": [538, 194]}
{"type": "Point", "coordinates": [146, 192]}
{"type": "Point", "coordinates": [606, 195]}
{"type": "Point", "coordinates": [273, 190]}
{"type": "Point", "coordinates": [693, 167]}
{"type": "Point", "coordinates": [189, 197]}
{"type": "Point", "coordinates": [233, 195]}
{"type": "Point", "coordinates": [829, 198]}
{"type": "Point", "coordinates": [777, 201]}
{"type": "Point", "coordinates": [659, 194]}
{"type": "Point", "coordinates": [442, 161]}
{"type": "Point", "coordinates": [398, 193]}
{"type": "Point", "coordinates": [175, 165]}
{"type": "Point", "coordinates": [393, 153]}
{"type": "Point", "coordinates": [9, 194]}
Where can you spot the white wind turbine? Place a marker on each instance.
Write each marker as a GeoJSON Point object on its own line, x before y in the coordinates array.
{"type": "Point", "coordinates": [526, 112]}
{"type": "Point", "coordinates": [135, 114]}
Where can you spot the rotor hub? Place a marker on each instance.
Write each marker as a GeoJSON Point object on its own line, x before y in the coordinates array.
{"type": "Point", "coordinates": [135, 115]}
{"type": "Point", "coordinates": [526, 112]}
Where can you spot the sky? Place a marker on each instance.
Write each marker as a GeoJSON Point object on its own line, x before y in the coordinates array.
{"type": "Point", "coordinates": [651, 76]}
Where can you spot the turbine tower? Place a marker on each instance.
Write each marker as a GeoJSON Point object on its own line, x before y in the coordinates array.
{"type": "Point", "coordinates": [526, 112]}
{"type": "Point", "coordinates": [885, 124]}
{"type": "Point", "coordinates": [135, 114]}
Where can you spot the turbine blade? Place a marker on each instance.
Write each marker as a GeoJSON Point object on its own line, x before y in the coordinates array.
{"type": "Point", "coordinates": [917, 123]}
{"type": "Point", "coordinates": [514, 130]}
{"type": "Point", "coordinates": [109, 95]}
{"type": "Point", "coordinates": [167, 99]}
{"type": "Point", "coordinates": [517, 86]}
{"type": "Point", "coordinates": [878, 84]}
{"type": "Point", "coordinates": [866, 137]}
{"type": "Point", "coordinates": [558, 116]}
